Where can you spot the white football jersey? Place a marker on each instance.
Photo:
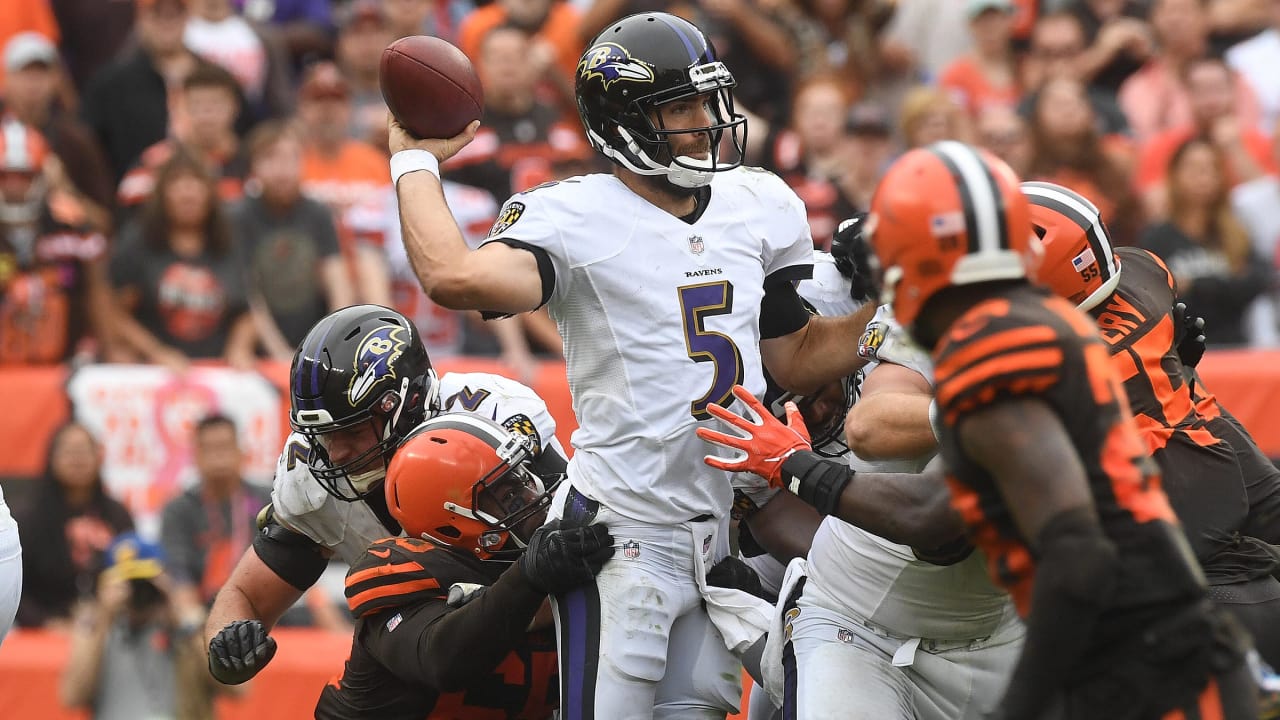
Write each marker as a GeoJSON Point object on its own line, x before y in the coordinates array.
{"type": "Point", "coordinates": [660, 317]}
{"type": "Point", "coordinates": [301, 502]}
{"type": "Point", "coordinates": [884, 582]}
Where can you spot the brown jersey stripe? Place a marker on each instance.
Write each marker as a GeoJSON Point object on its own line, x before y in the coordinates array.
{"type": "Point", "coordinates": [398, 593]}
{"type": "Point", "coordinates": [983, 348]}
{"type": "Point", "coordinates": [999, 371]}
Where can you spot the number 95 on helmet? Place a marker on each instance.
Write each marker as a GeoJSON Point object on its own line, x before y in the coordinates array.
{"type": "Point", "coordinates": [361, 380]}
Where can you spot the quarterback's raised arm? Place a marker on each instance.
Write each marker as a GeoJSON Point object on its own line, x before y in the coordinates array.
{"type": "Point", "coordinates": [497, 277]}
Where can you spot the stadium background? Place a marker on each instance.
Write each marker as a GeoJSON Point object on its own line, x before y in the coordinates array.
{"type": "Point", "coordinates": [1161, 111]}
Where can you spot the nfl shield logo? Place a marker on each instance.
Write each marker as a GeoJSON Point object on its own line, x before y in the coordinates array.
{"type": "Point", "coordinates": [844, 636]}
{"type": "Point", "coordinates": [696, 246]}
{"type": "Point", "coordinates": [631, 549]}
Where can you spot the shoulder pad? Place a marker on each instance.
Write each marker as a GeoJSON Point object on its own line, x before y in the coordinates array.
{"type": "Point", "coordinates": [393, 572]}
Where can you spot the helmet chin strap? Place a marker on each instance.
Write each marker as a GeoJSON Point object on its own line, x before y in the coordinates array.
{"type": "Point", "coordinates": [676, 173]}
{"type": "Point", "coordinates": [365, 480]}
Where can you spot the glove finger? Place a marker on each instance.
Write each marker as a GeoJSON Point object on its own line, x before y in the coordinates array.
{"type": "Point", "coordinates": [723, 439]}
{"type": "Point", "coordinates": [738, 465]}
{"type": "Point", "coordinates": [728, 416]}
{"type": "Point", "coordinates": [1180, 308]}
{"type": "Point", "coordinates": [1198, 324]}
{"type": "Point", "coordinates": [795, 421]}
{"type": "Point", "coordinates": [762, 414]}
{"type": "Point", "coordinates": [265, 651]}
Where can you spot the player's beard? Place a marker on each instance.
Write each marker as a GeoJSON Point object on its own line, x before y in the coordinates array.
{"type": "Point", "coordinates": [660, 183]}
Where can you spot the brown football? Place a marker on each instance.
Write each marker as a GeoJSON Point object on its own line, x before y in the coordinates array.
{"type": "Point", "coordinates": [430, 86]}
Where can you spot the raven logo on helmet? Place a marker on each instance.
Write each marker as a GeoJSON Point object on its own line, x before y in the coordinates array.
{"type": "Point", "coordinates": [611, 62]}
{"type": "Point", "coordinates": [375, 359]}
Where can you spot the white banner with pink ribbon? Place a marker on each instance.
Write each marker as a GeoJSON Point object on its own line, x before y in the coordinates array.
{"type": "Point", "coordinates": [144, 416]}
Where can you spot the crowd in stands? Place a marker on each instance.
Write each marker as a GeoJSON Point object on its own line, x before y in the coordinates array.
{"type": "Point", "coordinates": [202, 180]}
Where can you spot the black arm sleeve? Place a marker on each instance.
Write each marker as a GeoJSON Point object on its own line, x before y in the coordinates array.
{"type": "Point", "coordinates": [296, 558]}
{"type": "Point", "coordinates": [488, 628]}
{"type": "Point", "coordinates": [782, 311]}
{"type": "Point", "coordinates": [546, 270]}
{"type": "Point", "coordinates": [1075, 577]}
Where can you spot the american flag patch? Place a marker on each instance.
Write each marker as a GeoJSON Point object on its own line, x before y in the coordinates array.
{"type": "Point", "coordinates": [1083, 260]}
{"type": "Point", "coordinates": [394, 622]}
{"type": "Point", "coordinates": [944, 224]}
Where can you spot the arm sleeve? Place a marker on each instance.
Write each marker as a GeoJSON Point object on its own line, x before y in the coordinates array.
{"type": "Point", "coordinates": [296, 558]}
{"type": "Point", "coordinates": [428, 651]}
{"type": "Point", "coordinates": [782, 311]}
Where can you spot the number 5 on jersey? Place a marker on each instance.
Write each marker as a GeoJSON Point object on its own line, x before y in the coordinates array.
{"type": "Point", "coordinates": [697, 303]}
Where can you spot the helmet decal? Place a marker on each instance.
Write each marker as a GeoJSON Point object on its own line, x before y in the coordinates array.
{"type": "Point", "coordinates": [611, 62]}
{"type": "Point", "coordinates": [375, 360]}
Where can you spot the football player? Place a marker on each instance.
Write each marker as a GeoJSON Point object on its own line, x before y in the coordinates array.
{"type": "Point", "coordinates": [1131, 295]}
{"type": "Point", "coordinates": [360, 382]}
{"type": "Point", "coordinates": [462, 488]}
{"type": "Point", "coordinates": [1047, 466]}
{"type": "Point", "coordinates": [671, 280]}
{"type": "Point", "coordinates": [873, 628]}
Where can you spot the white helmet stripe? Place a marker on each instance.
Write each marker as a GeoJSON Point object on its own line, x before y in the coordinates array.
{"type": "Point", "coordinates": [1088, 213]}
{"type": "Point", "coordinates": [984, 195]}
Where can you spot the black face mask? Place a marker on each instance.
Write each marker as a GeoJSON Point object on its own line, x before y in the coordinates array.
{"type": "Point", "coordinates": [144, 595]}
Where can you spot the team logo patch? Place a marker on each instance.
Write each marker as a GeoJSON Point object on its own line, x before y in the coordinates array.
{"type": "Point", "coordinates": [631, 549]}
{"type": "Point", "coordinates": [706, 544]}
{"type": "Point", "coordinates": [522, 425]}
{"type": "Point", "coordinates": [696, 245]}
{"type": "Point", "coordinates": [511, 212]}
{"type": "Point", "coordinates": [375, 358]}
{"type": "Point", "coordinates": [787, 620]}
{"type": "Point", "coordinates": [611, 62]}
{"type": "Point", "coordinates": [394, 622]}
{"type": "Point", "coordinates": [871, 340]}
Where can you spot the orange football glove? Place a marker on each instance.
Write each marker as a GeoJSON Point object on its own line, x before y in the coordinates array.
{"type": "Point", "coordinates": [767, 444]}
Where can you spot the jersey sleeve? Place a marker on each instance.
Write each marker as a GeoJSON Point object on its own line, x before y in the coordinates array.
{"type": "Point", "coordinates": [893, 345]}
{"type": "Point", "coordinates": [298, 498]}
{"type": "Point", "coordinates": [531, 220]}
{"type": "Point", "coordinates": [513, 405]}
{"type": "Point", "coordinates": [987, 358]}
{"type": "Point", "coordinates": [788, 245]}
{"type": "Point", "coordinates": [394, 573]}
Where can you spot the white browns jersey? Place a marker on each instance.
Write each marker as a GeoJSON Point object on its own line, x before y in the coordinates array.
{"type": "Point", "coordinates": [301, 502]}
{"type": "Point", "coordinates": [883, 582]}
{"type": "Point", "coordinates": [659, 318]}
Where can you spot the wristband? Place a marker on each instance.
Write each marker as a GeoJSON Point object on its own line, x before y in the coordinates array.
{"type": "Point", "coordinates": [816, 480]}
{"type": "Point", "coordinates": [407, 161]}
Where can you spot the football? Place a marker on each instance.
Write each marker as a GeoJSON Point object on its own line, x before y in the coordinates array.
{"type": "Point", "coordinates": [430, 86]}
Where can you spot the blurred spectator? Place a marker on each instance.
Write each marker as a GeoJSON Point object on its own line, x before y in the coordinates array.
{"type": "Point", "coordinates": [132, 654]}
{"type": "Point", "coordinates": [868, 151]}
{"type": "Point", "coordinates": [31, 96]}
{"type": "Point", "coordinates": [27, 16]}
{"type": "Point", "coordinates": [295, 270]}
{"type": "Point", "coordinates": [251, 52]}
{"type": "Point", "coordinates": [1232, 21]}
{"type": "Point", "coordinates": [1214, 115]}
{"type": "Point", "coordinates": [127, 102]}
{"type": "Point", "coordinates": [1118, 37]}
{"type": "Point", "coordinates": [840, 36]}
{"type": "Point", "coordinates": [754, 43]}
{"type": "Point", "coordinates": [554, 27]}
{"type": "Point", "coordinates": [349, 176]}
{"type": "Point", "coordinates": [179, 285]}
{"type": "Point", "coordinates": [810, 154]}
{"type": "Point", "coordinates": [1256, 60]}
{"type": "Point", "coordinates": [1205, 246]}
{"type": "Point", "coordinates": [521, 136]}
{"type": "Point", "coordinates": [438, 18]}
{"type": "Point", "coordinates": [1159, 96]}
{"type": "Point", "coordinates": [927, 30]}
{"type": "Point", "coordinates": [1057, 45]}
{"type": "Point", "coordinates": [1068, 149]}
{"type": "Point", "coordinates": [364, 34]}
{"type": "Point", "coordinates": [1004, 133]}
{"type": "Point", "coordinates": [52, 281]}
{"type": "Point", "coordinates": [93, 33]}
{"type": "Point", "coordinates": [208, 105]}
{"type": "Point", "coordinates": [206, 529]}
{"type": "Point", "coordinates": [304, 25]}
{"type": "Point", "coordinates": [928, 115]}
{"type": "Point", "coordinates": [65, 528]}
{"type": "Point", "coordinates": [987, 74]}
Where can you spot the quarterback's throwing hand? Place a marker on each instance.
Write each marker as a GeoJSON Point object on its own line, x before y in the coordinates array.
{"type": "Point", "coordinates": [768, 442]}
{"type": "Point", "coordinates": [239, 651]}
{"type": "Point", "coordinates": [560, 559]}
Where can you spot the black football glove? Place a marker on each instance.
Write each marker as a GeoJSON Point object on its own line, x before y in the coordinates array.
{"type": "Point", "coordinates": [239, 651]}
{"type": "Point", "coordinates": [734, 574]}
{"type": "Point", "coordinates": [1188, 335]}
{"type": "Point", "coordinates": [560, 559]}
{"type": "Point", "coordinates": [851, 250]}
